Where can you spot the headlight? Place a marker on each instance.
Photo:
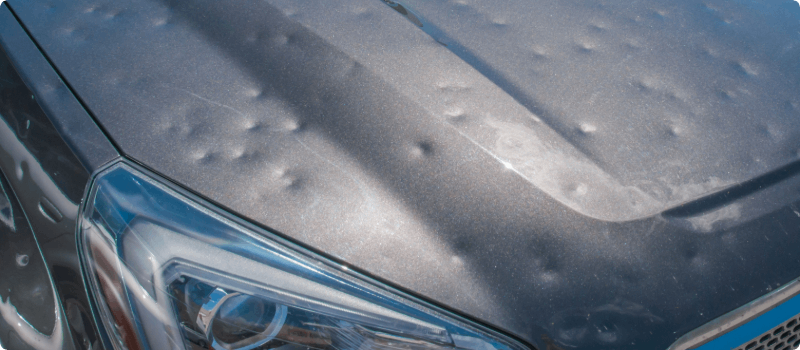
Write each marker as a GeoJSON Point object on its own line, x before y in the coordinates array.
{"type": "Point", "coordinates": [169, 271]}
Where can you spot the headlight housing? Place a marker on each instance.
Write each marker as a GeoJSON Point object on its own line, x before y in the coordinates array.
{"type": "Point", "coordinates": [167, 270]}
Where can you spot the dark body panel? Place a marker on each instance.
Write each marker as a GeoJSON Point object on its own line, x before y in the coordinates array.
{"type": "Point", "coordinates": [25, 287]}
{"type": "Point", "coordinates": [443, 159]}
{"type": "Point", "coordinates": [49, 146]}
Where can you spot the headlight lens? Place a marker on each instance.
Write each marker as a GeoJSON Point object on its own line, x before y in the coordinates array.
{"type": "Point", "coordinates": [169, 271]}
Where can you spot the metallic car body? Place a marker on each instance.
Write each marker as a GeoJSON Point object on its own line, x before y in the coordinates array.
{"type": "Point", "coordinates": [579, 174]}
{"type": "Point", "coordinates": [46, 162]}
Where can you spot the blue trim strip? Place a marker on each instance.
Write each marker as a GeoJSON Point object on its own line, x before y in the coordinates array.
{"type": "Point", "coordinates": [760, 325]}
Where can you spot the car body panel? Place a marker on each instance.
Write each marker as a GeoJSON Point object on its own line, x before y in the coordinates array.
{"type": "Point", "coordinates": [524, 170]}
{"type": "Point", "coordinates": [49, 146]}
{"type": "Point", "coordinates": [27, 293]}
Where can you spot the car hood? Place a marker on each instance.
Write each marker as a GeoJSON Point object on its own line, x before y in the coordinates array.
{"type": "Point", "coordinates": [581, 174]}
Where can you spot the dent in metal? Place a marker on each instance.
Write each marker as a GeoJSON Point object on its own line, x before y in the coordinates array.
{"type": "Point", "coordinates": [349, 128]}
{"type": "Point", "coordinates": [48, 180]}
{"type": "Point", "coordinates": [69, 119]}
{"type": "Point", "coordinates": [15, 155]}
{"type": "Point", "coordinates": [29, 307]}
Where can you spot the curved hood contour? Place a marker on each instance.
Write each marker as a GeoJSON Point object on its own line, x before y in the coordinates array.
{"type": "Point", "coordinates": [581, 174]}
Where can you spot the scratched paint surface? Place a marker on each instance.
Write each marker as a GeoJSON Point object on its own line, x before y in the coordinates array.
{"type": "Point", "coordinates": [517, 162]}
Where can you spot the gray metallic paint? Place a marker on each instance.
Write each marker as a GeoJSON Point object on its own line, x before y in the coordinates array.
{"type": "Point", "coordinates": [49, 146]}
{"type": "Point", "coordinates": [25, 283]}
{"type": "Point", "coordinates": [523, 163]}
